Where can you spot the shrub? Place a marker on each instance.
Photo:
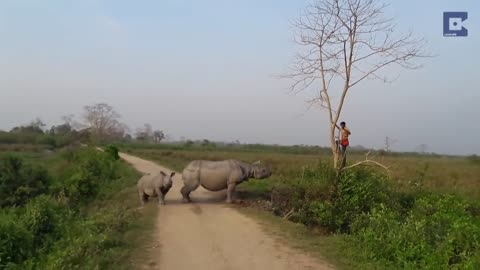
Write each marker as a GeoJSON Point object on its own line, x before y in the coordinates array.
{"type": "Point", "coordinates": [112, 151]}
{"type": "Point", "coordinates": [44, 217]}
{"type": "Point", "coordinates": [20, 182]}
{"type": "Point", "coordinates": [356, 192]}
{"type": "Point", "coordinates": [16, 242]}
{"type": "Point", "coordinates": [333, 201]}
{"type": "Point", "coordinates": [438, 233]}
{"type": "Point", "coordinates": [94, 171]}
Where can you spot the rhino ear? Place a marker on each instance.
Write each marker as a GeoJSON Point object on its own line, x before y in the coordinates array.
{"type": "Point", "coordinates": [256, 162]}
{"type": "Point", "coordinates": [162, 173]}
{"type": "Point", "coordinates": [172, 174]}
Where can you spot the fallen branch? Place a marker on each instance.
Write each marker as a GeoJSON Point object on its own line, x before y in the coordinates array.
{"type": "Point", "coordinates": [287, 215]}
{"type": "Point", "coordinates": [366, 161]}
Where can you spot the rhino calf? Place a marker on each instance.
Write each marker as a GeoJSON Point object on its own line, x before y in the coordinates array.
{"type": "Point", "coordinates": [154, 185]}
{"type": "Point", "coordinates": [219, 175]}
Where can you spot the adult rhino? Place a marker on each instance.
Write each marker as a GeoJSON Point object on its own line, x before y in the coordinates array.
{"type": "Point", "coordinates": [154, 186]}
{"type": "Point", "coordinates": [220, 175]}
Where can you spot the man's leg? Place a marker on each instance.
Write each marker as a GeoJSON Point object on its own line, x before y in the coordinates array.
{"type": "Point", "coordinates": [344, 155]}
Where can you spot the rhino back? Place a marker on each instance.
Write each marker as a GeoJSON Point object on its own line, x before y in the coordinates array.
{"type": "Point", "coordinates": [148, 183]}
{"type": "Point", "coordinates": [214, 175]}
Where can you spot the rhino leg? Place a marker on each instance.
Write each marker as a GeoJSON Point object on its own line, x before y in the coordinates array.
{"type": "Point", "coordinates": [191, 181]}
{"type": "Point", "coordinates": [186, 194]}
{"type": "Point", "coordinates": [161, 196]}
{"type": "Point", "coordinates": [230, 191]}
{"type": "Point", "coordinates": [143, 197]}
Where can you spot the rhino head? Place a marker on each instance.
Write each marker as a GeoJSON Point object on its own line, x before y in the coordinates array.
{"type": "Point", "coordinates": [260, 171]}
{"type": "Point", "coordinates": [167, 181]}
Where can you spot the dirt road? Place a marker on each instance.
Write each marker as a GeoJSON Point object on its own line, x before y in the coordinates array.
{"type": "Point", "coordinates": [209, 235]}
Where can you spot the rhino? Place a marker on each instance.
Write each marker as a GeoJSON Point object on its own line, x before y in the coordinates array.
{"type": "Point", "coordinates": [219, 175]}
{"type": "Point", "coordinates": [153, 186]}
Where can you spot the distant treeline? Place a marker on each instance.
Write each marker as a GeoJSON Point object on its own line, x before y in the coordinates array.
{"type": "Point", "coordinates": [57, 136]}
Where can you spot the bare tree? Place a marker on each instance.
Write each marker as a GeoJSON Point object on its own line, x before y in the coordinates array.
{"type": "Point", "coordinates": [145, 134]}
{"type": "Point", "coordinates": [104, 122]}
{"type": "Point", "coordinates": [158, 136]}
{"type": "Point", "coordinates": [344, 42]}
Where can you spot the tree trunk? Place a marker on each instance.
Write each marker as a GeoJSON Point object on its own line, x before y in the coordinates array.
{"type": "Point", "coordinates": [334, 146]}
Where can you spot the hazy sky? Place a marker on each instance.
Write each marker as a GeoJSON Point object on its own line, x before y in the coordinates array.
{"type": "Point", "coordinates": [207, 69]}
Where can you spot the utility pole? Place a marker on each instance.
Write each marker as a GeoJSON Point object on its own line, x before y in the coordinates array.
{"type": "Point", "coordinates": [388, 143]}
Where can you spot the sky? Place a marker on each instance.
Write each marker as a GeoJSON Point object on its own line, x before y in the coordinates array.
{"type": "Point", "coordinates": [209, 69]}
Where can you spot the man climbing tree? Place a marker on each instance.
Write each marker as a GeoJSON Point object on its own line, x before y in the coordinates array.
{"type": "Point", "coordinates": [344, 133]}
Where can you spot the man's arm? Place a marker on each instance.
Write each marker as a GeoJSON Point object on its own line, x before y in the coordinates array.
{"type": "Point", "coordinates": [348, 131]}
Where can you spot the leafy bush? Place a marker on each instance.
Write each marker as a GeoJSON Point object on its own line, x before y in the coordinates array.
{"type": "Point", "coordinates": [112, 151]}
{"type": "Point", "coordinates": [438, 233]}
{"type": "Point", "coordinates": [16, 242]}
{"type": "Point", "coordinates": [44, 217]}
{"type": "Point", "coordinates": [94, 170]}
{"type": "Point", "coordinates": [333, 201]}
{"type": "Point", "coordinates": [20, 182]}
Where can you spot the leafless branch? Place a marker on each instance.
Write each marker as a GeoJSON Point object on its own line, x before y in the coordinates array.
{"type": "Point", "coordinates": [367, 161]}
{"type": "Point", "coordinates": [287, 215]}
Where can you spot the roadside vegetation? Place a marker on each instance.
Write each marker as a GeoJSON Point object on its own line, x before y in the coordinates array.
{"type": "Point", "coordinates": [72, 208]}
{"type": "Point", "coordinates": [424, 214]}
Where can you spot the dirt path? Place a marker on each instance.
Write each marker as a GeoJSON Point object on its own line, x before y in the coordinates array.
{"type": "Point", "coordinates": [209, 235]}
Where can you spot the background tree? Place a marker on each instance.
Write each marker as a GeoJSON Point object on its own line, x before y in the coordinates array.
{"type": "Point", "coordinates": [104, 122]}
{"type": "Point", "coordinates": [145, 134]}
{"type": "Point", "coordinates": [342, 43]}
{"type": "Point", "coordinates": [158, 136]}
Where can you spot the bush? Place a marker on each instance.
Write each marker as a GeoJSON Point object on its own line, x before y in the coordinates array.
{"type": "Point", "coordinates": [20, 182]}
{"type": "Point", "coordinates": [355, 193]}
{"type": "Point", "coordinates": [96, 169]}
{"type": "Point", "coordinates": [112, 151]}
{"type": "Point", "coordinates": [438, 233]}
{"type": "Point", "coordinates": [44, 217]}
{"type": "Point", "coordinates": [333, 201]}
{"type": "Point", "coordinates": [16, 242]}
